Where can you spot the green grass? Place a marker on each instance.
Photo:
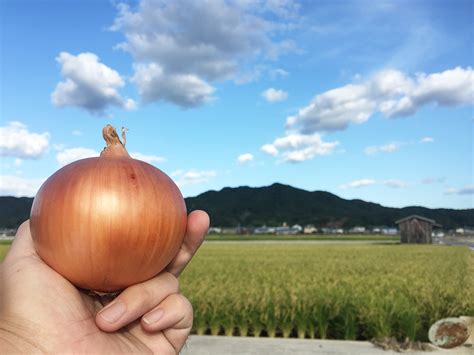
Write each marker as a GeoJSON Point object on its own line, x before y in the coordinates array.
{"type": "Point", "coordinates": [327, 291]}
{"type": "Point", "coordinates": [335, 237]}
{"type": "Point", "coordinates": [4, 246]}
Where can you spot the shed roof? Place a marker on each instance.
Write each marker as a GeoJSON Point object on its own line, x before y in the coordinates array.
{"type": "Point", "coordinates": [415, 216]}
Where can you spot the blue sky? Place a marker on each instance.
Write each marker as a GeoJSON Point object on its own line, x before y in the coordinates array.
{"type": "Point", "coordinates": [369, 100]}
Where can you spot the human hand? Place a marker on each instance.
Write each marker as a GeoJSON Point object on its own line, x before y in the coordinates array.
{"type": "Point", "coordinates": [40, 311]}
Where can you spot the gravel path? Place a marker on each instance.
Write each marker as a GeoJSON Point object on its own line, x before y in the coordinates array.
{"type": "Point", "coordinates": [217, 345]}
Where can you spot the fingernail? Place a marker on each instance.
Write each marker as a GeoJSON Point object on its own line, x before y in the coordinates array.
{"type": "Point", "coordinates": [154, 316]}
{"type": "Point", "coordinates": [113, 312]}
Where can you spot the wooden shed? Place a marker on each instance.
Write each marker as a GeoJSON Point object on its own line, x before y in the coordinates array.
{"type": "Point", "coordinates": [416, 229]}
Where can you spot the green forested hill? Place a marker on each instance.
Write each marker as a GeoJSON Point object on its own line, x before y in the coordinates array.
{"type": "Point", "coordinates": [272, 205]}
{"type": "Point", "coordinates": [278, 203]}
{"type": "Point", "coordinates": [14, 210]}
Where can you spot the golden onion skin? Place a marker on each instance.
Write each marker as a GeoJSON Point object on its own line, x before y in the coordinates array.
{"type": "Point", "coordinates": [109, 222]}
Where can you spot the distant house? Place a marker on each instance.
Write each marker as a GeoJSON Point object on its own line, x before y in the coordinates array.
{"type": "Point", "coordinates": [215, 230]}
{"type": "Point", "coordinates": [230, 231]}
{"type": "Point", "coordinates": [357, 229]}
{"type": "Point", "coordinates": [469, 230]}
{"type": "Point", "coordinates": [297, 228]}
{"type": "Point", "coordinates": [282, 230]}
{"type": "Point", "coordinates": [416, 229]}
{"type": "Point", "coordinates": [285, 230]}
{"type": "Point", "coordinates": [389, 231]}
{"type": "Point", "coordinates": [262, 230]}
{"type": "Point", "coordinates": [7, 234]}
{"type": "Point", "coordinates": [271, 230]}
{"type": "Point", "coordinates": [465, 230]}
{"type": "Point", "coordinates": [310, 229]}
{"type": "Point", "coordinates": [326, 230]}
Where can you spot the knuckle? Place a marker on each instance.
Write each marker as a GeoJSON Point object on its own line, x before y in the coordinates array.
{"type": "Point", "coordinates": [172, 282]}
{"type": "Point", "coordinates": [148, 292]}
{"type": "Point", "coordinates": [142, 291]}
{"type": "Point", "coordinates": [152, 290]}
{"type": "Point", "coordinates": [184, 304]}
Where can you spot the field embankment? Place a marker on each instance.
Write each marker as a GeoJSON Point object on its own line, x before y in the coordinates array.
{"type": "Point", "coordinates": [302, 237]}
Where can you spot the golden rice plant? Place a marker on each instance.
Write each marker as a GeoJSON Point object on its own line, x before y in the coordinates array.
{"type": "Point", "coordinates": [327, 291]}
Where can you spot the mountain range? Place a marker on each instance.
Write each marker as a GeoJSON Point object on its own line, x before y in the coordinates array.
{"type": "Point", "coordinates": [278, 203]}
{"type": "Point", "coordinates": [275, 204]}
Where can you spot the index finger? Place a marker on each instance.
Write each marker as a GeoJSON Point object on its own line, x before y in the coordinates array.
{"type": "Point", "coordinates": [196, 230]}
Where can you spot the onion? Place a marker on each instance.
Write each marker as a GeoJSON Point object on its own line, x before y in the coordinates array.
{"type": "Point", "coordinates": [109, 222]}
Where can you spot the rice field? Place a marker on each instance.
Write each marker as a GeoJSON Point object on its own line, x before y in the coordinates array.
{"type": "Point", "coordinates": [311, 290]}
{"type": "Point", "coordinates": [327, 291]}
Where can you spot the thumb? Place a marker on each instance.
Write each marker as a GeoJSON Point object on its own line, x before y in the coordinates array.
{"type": "Point", "coordinates": [22, 244]}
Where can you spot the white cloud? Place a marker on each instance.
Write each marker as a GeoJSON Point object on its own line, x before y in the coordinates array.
{"type": "Point", "coordinates": [299, 147]}
{"type": "Point", "coordinates": [392, 146]}
{"type": "Point", "coordinates": [396, 184]}
{"type": "Point", "coordinates": [334, 110]}
{"type": "Point", "coordinates": [433, 180]}
{"type": "Point", "coordinates": [449, 88]}
{"type": "Point", "coordinates": [186, 90]}
{"type": "Point", "coordinates": [192, 177]}
{"type": "Point", "coordinates": [427, 140]}
{"type": "Point", "coordinates": [76, 132]}
{"type": "Point", "coordinates": [384, 148]}
{"type": "Point", "coordinates": [244, 158]}
{"type": "Point", "coordinates": [466, 190]}
{"type": "Point", "coordinates": [17, 141]}
{"type": "Point", "coordinates": [88, 84]}
{"type": "Point", "coordinates": [270, 149]}
{"type": "Point", "coordinates": [358, 184]}
{"type": "Point", "coordinates": [184, 45]}
{"type": "Point", "coordinates": [278, 73]}
{"type": "Point", "coordinates": [390, 92]}
{"type": "Point", "coordinates": [11, 185]}
{"type": "Point", "coordinates": [150, 159]}
{"type": "Point", "coordinates": [177, 172]}
{"type": "Point", "coordinates": [59, 147]}
{"type": "Point", "coordinates": [387, 83]}
{"type": "Point", "coordinates": [67, 156]}
{"type": "Point", "coordinates": [274, 95]}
